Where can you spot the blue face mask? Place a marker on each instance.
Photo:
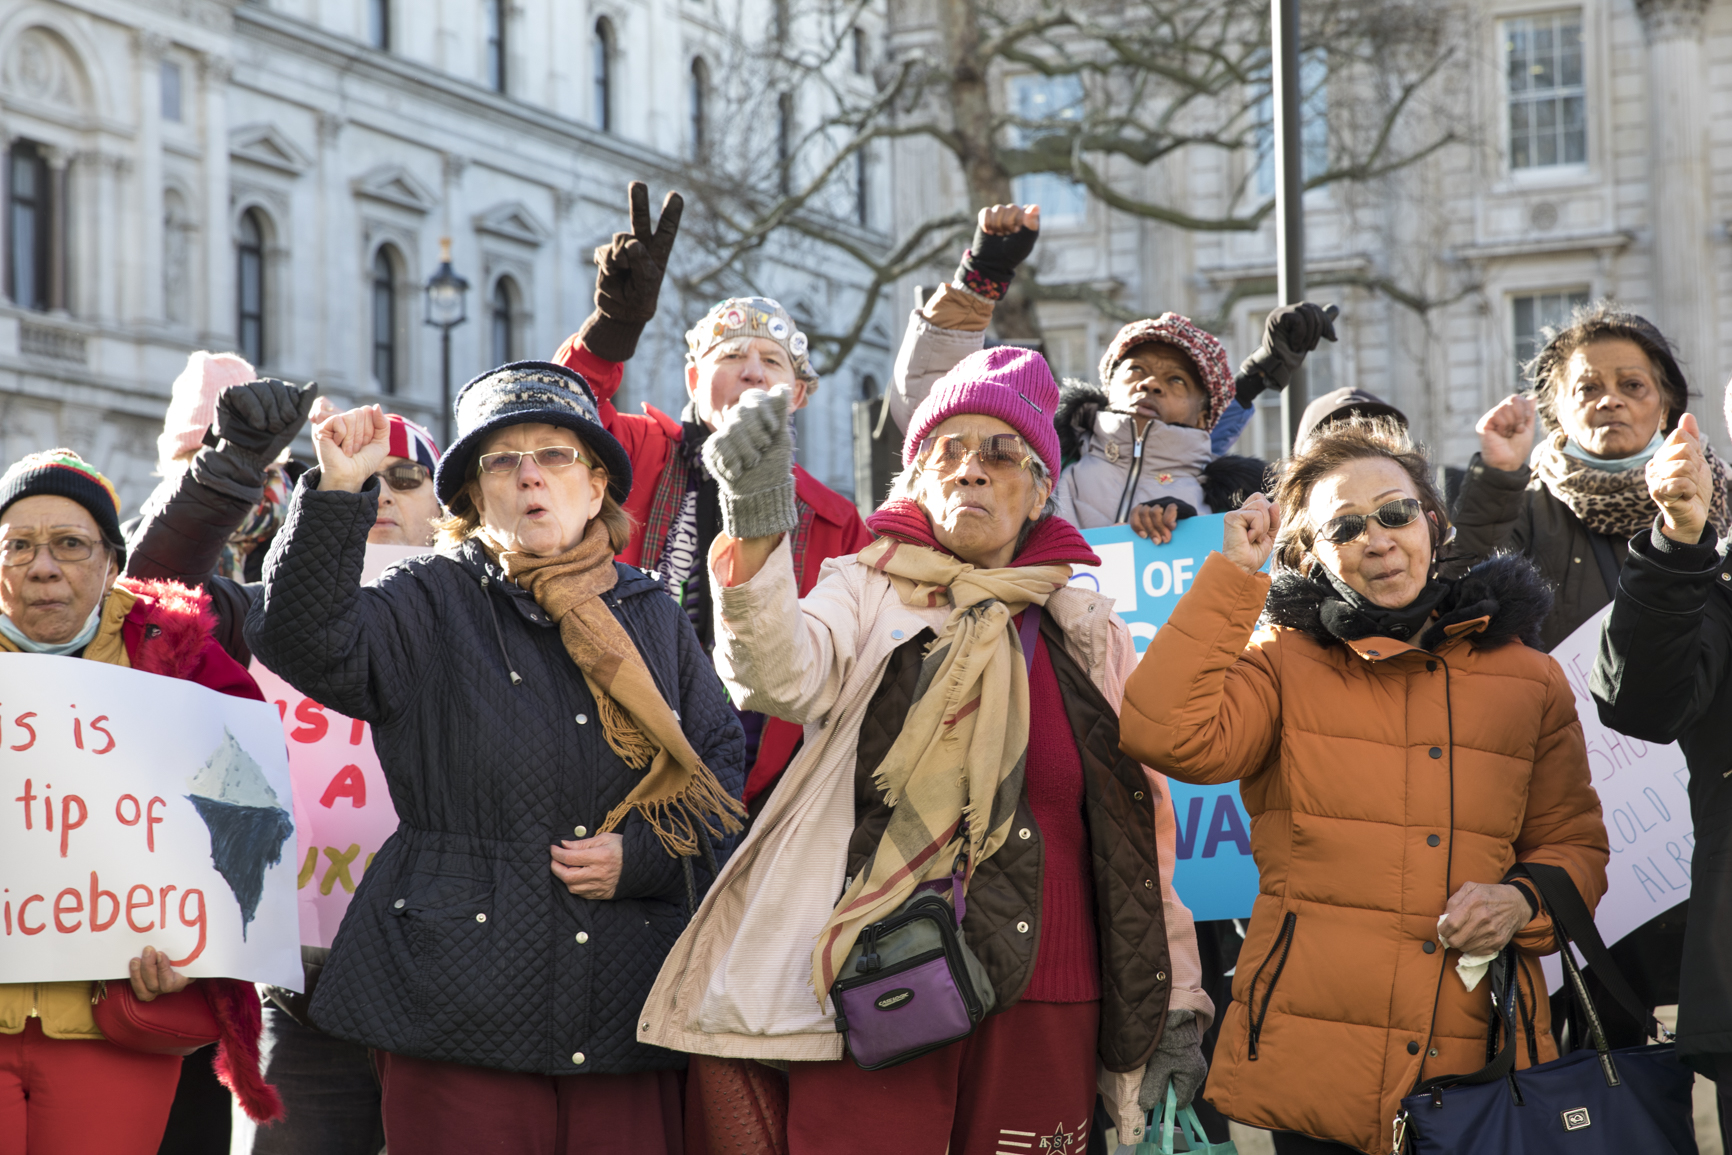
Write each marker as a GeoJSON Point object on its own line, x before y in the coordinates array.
{"type": "Point", "coordinates": [1615, 464]}
{"type": "Point", "coordinates": [58, 650]}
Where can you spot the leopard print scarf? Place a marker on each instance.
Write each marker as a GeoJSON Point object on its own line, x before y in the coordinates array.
{"type": "Point", "coordinates": [1617, 504]}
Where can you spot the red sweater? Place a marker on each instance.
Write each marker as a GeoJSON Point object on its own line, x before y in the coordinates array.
{"type": "Point", "coordinates": [1067, 969]}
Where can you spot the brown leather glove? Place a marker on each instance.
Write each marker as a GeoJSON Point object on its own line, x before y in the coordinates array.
{"type": "Point", "coordinates": [628, 279]}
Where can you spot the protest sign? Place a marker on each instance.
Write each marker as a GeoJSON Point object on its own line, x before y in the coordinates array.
{"type": "Point", "coordinates": [1213, 872]}
{"type": "Point", "coordinates": [1644, 798]}
{"type": "Point", "coordinates": [342, 807]}
{"type": "Point", "coordinates": [141, 810]}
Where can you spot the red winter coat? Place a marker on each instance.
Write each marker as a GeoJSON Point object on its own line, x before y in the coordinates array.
{"type": "Point", "coordinates": [649, 439]}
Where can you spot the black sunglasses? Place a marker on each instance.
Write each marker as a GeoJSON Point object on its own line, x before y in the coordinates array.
{"type": "Point", "coordinates": [405, 476]}
{"type": "Point", "coordinates": [1391, 515]}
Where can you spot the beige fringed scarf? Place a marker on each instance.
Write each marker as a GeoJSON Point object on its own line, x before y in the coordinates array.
{"type": "Point", "coordinates": [678, 792]}
{"type": "Point", "coordinates": [961, 750]}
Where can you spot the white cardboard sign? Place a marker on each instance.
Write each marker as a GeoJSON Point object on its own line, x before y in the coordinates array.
{"type": "Point", "coordinates": [141, 810]}
{"type": "Point", "coordinates": [1645, 800]}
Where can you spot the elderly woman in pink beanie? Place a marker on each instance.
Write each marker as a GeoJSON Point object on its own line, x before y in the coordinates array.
{"type": "Point", "coordinates": [954, 915]}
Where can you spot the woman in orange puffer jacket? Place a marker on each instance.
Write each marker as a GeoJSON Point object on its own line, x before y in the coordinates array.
{"type": "Point", "coordinates": [1401, 746]}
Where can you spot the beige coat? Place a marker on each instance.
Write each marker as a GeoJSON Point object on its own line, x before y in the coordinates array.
{"type": "Point", "coordinates": [738, 982]}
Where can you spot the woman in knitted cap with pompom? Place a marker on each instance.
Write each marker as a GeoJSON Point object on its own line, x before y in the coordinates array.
{"type": "Point", "coordinates": [942, 640]}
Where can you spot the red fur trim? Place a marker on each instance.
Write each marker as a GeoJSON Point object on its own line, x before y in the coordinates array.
{"type": "Point", "coordinates": [241, 1019]}
{"type": "Point", "coordinates": [1053, 541]}
{"type": "Point", "coordinates": [185, 619]}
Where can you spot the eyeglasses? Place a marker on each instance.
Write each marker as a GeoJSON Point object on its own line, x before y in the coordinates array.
{"type": "Point", "coordinates": [1391, 515]}
{"type": "Point", "coordinates": [17, 551]}
{"type": "Point", "coordinates": [1001, 454]}
{"type": "Point", "coordinates": [405, 476]}
{"type": "Point", "coordinates": [547, 457]}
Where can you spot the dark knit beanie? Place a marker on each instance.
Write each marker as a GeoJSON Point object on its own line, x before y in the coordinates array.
{"type": "Point", "coordinates": [62, 473]}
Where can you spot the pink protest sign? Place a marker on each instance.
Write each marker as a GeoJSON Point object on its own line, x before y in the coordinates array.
{"type": "Point", "coordinates": [342, 808]}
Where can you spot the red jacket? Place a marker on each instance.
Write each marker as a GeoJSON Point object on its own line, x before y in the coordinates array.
{"type": "Point", "coordinates": [649, 441]}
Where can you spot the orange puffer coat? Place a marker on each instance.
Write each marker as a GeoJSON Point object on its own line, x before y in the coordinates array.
{"type": "Point", "coordinates": [1379, 777]}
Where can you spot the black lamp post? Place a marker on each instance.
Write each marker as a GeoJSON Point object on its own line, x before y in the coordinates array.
{"type": "Point", "coordinates": [447, 307]}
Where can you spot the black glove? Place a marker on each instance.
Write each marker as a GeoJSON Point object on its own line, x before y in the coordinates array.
{"type": "Point", "coordinates": [1186, 509]}
{"type": "Point", "coordinates": [254, 423]}
{"type": "Point", "coordinates": [990, 263]}
{"type": "Point", "coordinates": [1289, 333]}
{"type": "Point", "coordinates": [628, 277]}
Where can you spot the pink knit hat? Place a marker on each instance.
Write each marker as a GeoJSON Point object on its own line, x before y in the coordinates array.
{"type": "Point", "coordinates": [1007, 382]}
{"type": "Point", "coordinates": [192, 404]}
{"type": "Point", "coordinates": [1201, 347]}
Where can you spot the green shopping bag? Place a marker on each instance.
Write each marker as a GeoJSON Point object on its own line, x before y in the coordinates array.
{"type": "Point", "coordinates": [1197, 1143]}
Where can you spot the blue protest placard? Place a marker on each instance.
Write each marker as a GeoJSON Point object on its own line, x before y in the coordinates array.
{"type": "Point", "coordinates": [1213, 872]}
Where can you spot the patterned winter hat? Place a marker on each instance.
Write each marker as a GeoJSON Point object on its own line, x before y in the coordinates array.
{"type": "Point", "coordinates": [527, 393]}
{"type": "Point", "coordinates": [62, 473]}
{"type": "Point", "coordinates": [752, 317]}
{"type": "Point", "coordinates": [1201, 347]}
{"type": "Point", "coordinates": [411, 442]}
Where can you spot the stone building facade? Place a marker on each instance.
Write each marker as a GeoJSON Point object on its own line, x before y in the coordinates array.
{"type": "Point", "coordinates": [275, 177]}
{"type": "Point", "coordinates": [1588, 162]}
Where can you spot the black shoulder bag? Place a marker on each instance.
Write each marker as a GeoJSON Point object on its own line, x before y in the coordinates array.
{"type": "Point", "coordinates": [1590, 1102]}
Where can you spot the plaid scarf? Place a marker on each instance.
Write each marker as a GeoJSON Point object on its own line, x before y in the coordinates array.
{"type": "Point", "coordinates": [1617, 504]}
{"type": "Point", "coordinates": [679, 792]}
{"type": "Point", "coordinates": [959, 757]}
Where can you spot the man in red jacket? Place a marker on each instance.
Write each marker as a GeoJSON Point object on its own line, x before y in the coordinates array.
{"type": "Point", "coordinates": [743, 343]}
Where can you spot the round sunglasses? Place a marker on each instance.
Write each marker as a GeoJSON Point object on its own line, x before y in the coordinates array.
{"type": "Point", "coordinates": [1391, 515]}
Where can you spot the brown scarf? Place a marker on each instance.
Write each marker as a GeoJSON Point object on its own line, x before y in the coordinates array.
{"type": "Point", "coordinates": [1617, 504]}
{"type": "Point", "coordinates": [678, 792]}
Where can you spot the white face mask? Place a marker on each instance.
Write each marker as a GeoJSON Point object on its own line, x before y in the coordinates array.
{"type": "Point", "coordinates": [60, 649]}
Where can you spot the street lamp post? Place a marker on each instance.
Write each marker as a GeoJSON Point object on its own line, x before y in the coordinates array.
{"type": "Point", "coordinates": [1289, 187]}
{"type": "Point", "coordinates": [447, 307]}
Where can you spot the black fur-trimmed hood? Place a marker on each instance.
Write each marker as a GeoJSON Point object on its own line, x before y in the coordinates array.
{"type": "Point", "coordinates": [1227, 480]}
{"type": "Point", "coordinates": [1506, 587]}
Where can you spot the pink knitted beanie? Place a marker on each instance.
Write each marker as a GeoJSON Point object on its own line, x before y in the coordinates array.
{"type": "Point", "coordinates": [1007, 382]}
{"type": "Point", "coordinates": [192, 404]}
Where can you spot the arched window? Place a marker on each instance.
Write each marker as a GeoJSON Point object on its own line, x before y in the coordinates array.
{"type": "Point", "coordinates": [700, 96]}
{"type": "Point", "coordinates": [494, 13]}
{"type": "Point", "coordinates": [250, 287]}
{"type": "Point", "coordinates": [385, 320]}
{"type": "Point", "coordinates": [379, 24]}
{"type": "Point", "coordinates": [700, 108]}
{"type": "Point", "coordinates": [29, 226]}
{"type": "Point", "coordinates": [862, 53]}
{"type": "Point", "coordinates": [503, 292]}
{"type": "Point", "coordinates": [179, 231]}
{"type": "Point", "coordinates": [604, 74]}
{"type": "Point", "coordinates": [784, 142]}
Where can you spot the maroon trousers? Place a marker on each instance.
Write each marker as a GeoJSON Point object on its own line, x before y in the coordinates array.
{"type": "Point", "coordinates": [81, 1096]}
{"type": "Point", "coordinates": [1024, 1081]}
{"type": "Point", "coordinates": [434, 1108]}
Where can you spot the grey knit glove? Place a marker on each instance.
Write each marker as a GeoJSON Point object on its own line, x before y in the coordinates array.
{"type": "Point", "coordinates": [1179, 1060]}
{"type": "Point", "coordinates": [752, 459]}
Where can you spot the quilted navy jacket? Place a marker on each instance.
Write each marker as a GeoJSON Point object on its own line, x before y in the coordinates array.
{"type": "Point", "coordinates": [460, 944]}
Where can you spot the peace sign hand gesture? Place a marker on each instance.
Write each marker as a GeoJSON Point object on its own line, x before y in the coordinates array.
{"type": "Point", "coordinates": [628, 278]}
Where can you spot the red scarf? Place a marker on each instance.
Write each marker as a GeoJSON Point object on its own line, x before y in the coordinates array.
{"type": "Point", "coordinates": [1053, 541]}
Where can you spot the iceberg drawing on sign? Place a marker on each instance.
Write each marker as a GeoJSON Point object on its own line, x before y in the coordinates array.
{"type": "Point", "coordinates": [246, 820]}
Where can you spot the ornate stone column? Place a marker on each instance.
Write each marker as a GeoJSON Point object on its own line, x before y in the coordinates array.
{"type": "Point", "coordinates": [1683, 276]}
{"type": "Point", "coordinates": [59, 217]}
{"type": "Point", "coordinates": [219, 316]}
{"type": "Point", "coordinates": [147, 299]}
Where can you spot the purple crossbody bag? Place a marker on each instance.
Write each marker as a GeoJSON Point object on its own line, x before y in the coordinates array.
{"type": "Point", "coordinates": [910, 984]}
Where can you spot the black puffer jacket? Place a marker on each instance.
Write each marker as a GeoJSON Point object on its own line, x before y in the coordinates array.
{"type": "Point", "coordinates": [1510, 509]}
{"type": "Point", "coordinates": [460, 944]}
{"type": "Point", "coordinates": [1663, 676]}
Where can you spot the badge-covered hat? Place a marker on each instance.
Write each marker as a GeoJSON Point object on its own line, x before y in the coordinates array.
{"type": "Point", "coordinates": [752, 317]}
{"type": "Point", "coordinates": [527, 393]}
